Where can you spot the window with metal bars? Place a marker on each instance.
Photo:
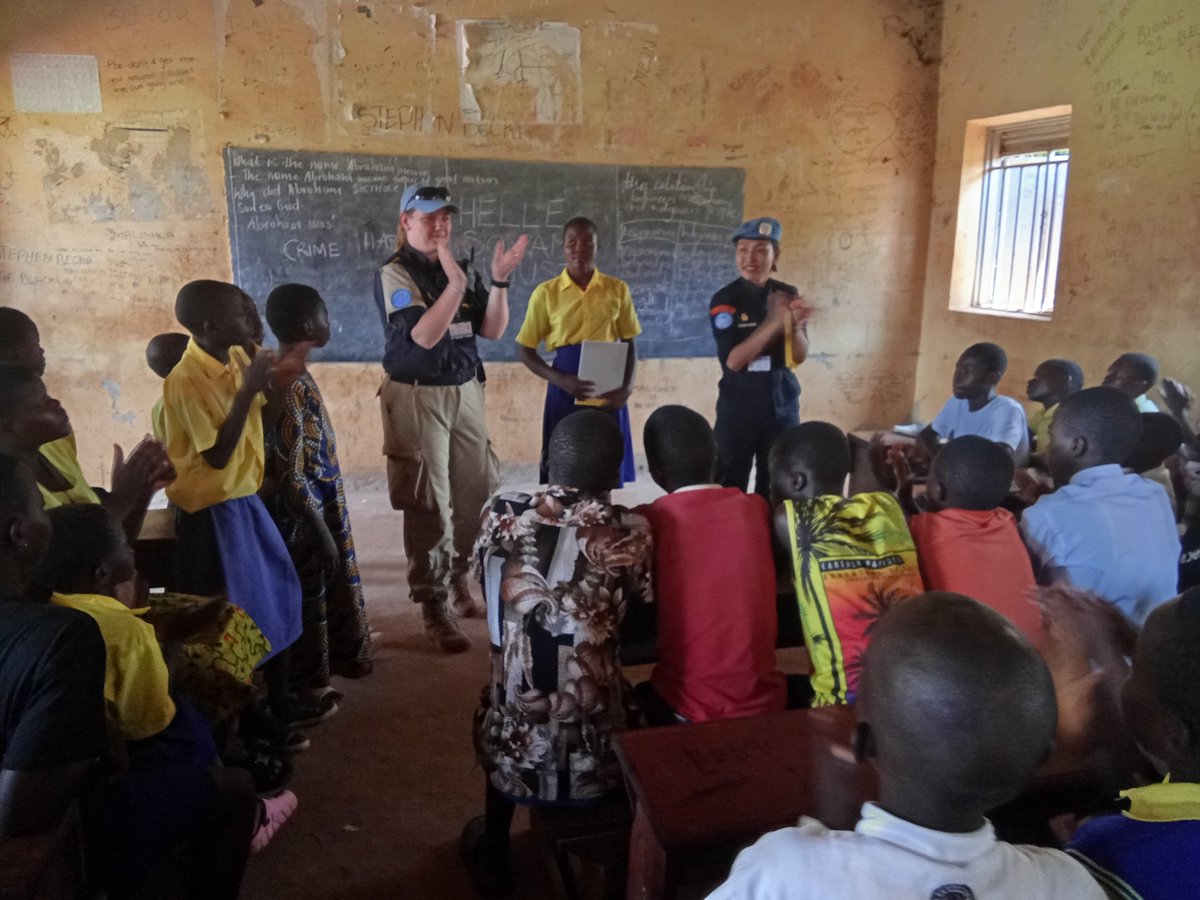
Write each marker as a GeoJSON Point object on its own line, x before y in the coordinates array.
{"type": "Point", "coordinates": [1024, 191]}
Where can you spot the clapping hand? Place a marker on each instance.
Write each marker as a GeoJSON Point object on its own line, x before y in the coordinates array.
{"type": "Point", "coordinates": [505, 261]}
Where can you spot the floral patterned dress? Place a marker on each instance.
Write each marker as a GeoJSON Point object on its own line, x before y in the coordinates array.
{"type": "Point", "coordinates": [302, 475]}
{"type": "Point", "coordinates": [559, 571]}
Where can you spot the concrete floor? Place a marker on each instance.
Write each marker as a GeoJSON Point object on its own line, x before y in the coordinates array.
{"type": "Point", "coordinates": [391, 779]}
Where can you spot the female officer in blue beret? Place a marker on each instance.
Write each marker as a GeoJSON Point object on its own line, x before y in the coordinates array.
{"type": "Point", "coordinates": [760, 326]}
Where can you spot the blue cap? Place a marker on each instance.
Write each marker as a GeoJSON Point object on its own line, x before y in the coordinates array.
{"type": "Point", "coordinates": [763, 228]}
{"type": "Point", "coordinates": [426, 198]}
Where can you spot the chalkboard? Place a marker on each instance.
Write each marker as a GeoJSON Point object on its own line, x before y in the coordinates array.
{"type": "Point", "coordinates": [329, 220]}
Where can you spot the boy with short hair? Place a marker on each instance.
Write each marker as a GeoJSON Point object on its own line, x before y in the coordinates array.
{"type": "Point", "coordinates": [163, 353]}
{"type": "Point", "coordinates": [1053, 381]}
{"type": "Point", "coordinates": [1134, 374]}
{"type": "Point", "coordinates": [851, 557]}
{"type": "Point", "coordinates": [976, 408]}
{"type": "Point", "coordinates": [225, 541]}
{"type": "Point", "coordinates": [1150, 851]}
{"type": "Point", "coordinates": [1103, 529]}
{"type": "Point", "coordinates": [309, 506]}
{"type": "Point", "coordinates": [560, 571]}
{"type": "Point", "coordinates": [936, 663]}
{"type": "Point", "coordinates": [714, 580]}
{"type": "Point", "coordinates": [965, 542]}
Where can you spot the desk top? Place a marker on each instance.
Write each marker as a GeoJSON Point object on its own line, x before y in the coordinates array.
{"type": "Point", "coordinates": [731, 781]}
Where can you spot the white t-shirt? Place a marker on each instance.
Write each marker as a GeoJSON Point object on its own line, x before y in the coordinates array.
{"type": "Point", "coordinates": [888, 858]}
{"type": "Point", "coordinates": [1001, 419]}
{"type": "Point", "coordinates": [1110, 532]}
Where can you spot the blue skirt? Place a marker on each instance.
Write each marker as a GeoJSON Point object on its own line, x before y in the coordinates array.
{"type": "Point", "coordinates": [235, 548]}
{"type": "Point", "coordinates": [560, 404]}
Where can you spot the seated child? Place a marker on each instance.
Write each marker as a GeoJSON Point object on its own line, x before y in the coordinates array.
{"type": "Point", "coordinates": [225, 540]}
{"type": "Point", "coordinates": [1052, 381]}
{"type": "Point", "coordinates": [1162, 438]}
{"type": "Point", "coordinates": [976, 408]}
{"type": "Point", "coordinates": [965, 543]}
{"type": "Point", "coordinates": [851, 557]}
{"type": "Point", "coordinates": [308, 504]}
{"type": "Point", "coordinates": [20, 343]}
{"type": "Point", "coordinates": [956, 712]}
{"type": "Point", "coordinates": [1103, 529]}
{"type": "Point", "coordinates": [714, 581]}
{"type": "Point", "coordinates": [560, 570]}
{"type": "Point", "coordinates": [1134, 374]}
{"type": "Point", "coordinates": [1151, 850]}
{"type": "Point", "coordinates": [163, 353]}
{"type": "Point", "coordinates": [51, 674]}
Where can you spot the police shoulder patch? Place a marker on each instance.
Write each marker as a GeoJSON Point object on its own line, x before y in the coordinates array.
{"type": "Point", "coordinates": [401, 297]}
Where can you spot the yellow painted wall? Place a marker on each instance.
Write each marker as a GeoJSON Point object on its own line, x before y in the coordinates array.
{"type": "Point", "coordinates": [829, 106]}
{"type": "Point", "coordinates": [1129, 277]}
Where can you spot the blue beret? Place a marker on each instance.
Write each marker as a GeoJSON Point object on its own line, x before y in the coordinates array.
{"type": "Point", "coordinates": [763, 228]}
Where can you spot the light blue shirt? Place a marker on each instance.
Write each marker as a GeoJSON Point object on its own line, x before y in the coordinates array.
{"type": "Point", "coordinates": [1109, 532]}
{"type": "Point", "coordinates": [1001, 419]}
{"type": "Point", "coordinates": [1145, 404]}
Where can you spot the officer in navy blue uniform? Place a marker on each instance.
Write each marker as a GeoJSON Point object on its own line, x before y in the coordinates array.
{"type": "Point", "coordinates": [751, 319]}
{"type": "Point", "coordinates": [440, 465]}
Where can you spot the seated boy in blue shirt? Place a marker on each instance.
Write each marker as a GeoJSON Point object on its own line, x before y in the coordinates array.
{"type": "Point", "coordinates": [976, 408]}
{"type": "Point", "coordinates": [1134, 374]}
{"type": "Point", "coordinates": [1150, 850]}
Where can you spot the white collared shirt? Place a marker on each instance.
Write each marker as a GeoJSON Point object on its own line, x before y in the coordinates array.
{"type": "Point", "coordinates": [888, 857]}
{"type": "Point", "coordinates": [1110, 532]}
{"type": "Point", "coordinates": [695, 487]}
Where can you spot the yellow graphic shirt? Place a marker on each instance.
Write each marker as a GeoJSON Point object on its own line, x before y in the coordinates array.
{"type": "Point", "coordinates": [851, 559]}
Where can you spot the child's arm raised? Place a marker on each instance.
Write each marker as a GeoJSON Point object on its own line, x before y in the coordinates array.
{"type": "Point", "coordinates": [255, 378]}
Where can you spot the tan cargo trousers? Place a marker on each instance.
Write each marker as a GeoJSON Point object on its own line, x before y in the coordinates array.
{"type": "Point", "coordinates": [441, 470]}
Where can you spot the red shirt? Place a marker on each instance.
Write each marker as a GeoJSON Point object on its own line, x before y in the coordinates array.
{"type": "Point", "coordinates": [714, 585]}
{"type": "Point", "coordinates": [979, 553]}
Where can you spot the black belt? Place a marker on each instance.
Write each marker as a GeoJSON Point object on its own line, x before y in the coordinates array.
{"type": "Point", "coordinates": [432, 382]}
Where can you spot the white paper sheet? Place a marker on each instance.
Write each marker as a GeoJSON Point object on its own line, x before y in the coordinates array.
{"type": "Point", "coordinates": [55, 83]}
{"type": "Point", "coordinates": [603, 363]}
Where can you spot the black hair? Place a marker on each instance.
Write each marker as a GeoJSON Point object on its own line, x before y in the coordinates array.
{"type": "Point", "coordinates": [1144, 364]}
{"type": "Point", "coordinates": [16, 485]}
{"type": "Point", "coordinates": [820, 447]}
{"type": "Point", "coordinates": [976, 473]}
{"type": "Point", "coordinates": [195, 300]}
{"type": "Point", "coordinates": [992, 356]}
{"type": "Point", "coordinates": [1173, 662]}
{"type": "Point", "coordinates": [679, 442]}
{"type": "Point", "coordinates": [85, 535]}
{"type": "Point", "coordinates": [1161, 436]}
{"type": "Point", "coordinates": [580, 222]}
{"type": "Point", "coordinates": [1107, 417]}
{"type": "Point", "coordinates": [15, 328]}
{"type": "Point", "coordinates": [289, 306]}
{"type": "Point", "coordinates": [13, 380]}
{"type": "Point", "coordinates": [1070, 370]}
{"type": "Point", "coordinates": [585, 451]}
{"type": "Point", "coordinates": [163, 352]}
{"type": "Point", "coordinates": [955, 693]}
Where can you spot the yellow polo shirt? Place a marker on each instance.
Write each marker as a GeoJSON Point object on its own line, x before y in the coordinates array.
{"type": "Point", "coordinates": [562, 313]}
{"type": "Point", "coordinates": [135, 676]}
{"type": "Point", "coordinates": [1039, 424]}
{"type": "Point", "coordinates": [61, 454]}
{"type": "Point", "coordinates": [197, 397]}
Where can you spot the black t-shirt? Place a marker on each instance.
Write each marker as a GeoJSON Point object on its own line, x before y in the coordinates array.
{"type": "Point", "coordinates": [735, 311]}
{"type": "Point", "coordinates": [1189, 558]}
{"type": "Point", "coordinates": [405, 286]}
{"type": "Point", "coordinates": [51, 686]}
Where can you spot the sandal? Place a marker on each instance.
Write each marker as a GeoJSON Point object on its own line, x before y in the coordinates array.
{"type": "Point", "coordinates": [274, 812]}
{"type": "Point", "coordinates": [297, 713]}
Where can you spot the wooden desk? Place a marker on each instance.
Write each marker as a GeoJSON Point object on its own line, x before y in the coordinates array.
{"type": "Point", "coordinates": [700, 790]}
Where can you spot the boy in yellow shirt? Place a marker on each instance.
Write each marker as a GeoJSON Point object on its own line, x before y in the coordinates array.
{"type": "Point", "coordinates": [581, 304]}
{"type": "Point", "coordinates": [225, 540]}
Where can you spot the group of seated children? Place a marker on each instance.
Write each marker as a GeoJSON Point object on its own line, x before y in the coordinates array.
{"type": "Point", "coordinates": [955, 703]}
{"type": "Point", "coordinates": [194, 764]}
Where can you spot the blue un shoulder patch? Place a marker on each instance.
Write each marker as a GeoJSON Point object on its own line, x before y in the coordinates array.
{"type": "Point", "coordinates": [722, 320]}
{"type": "Point", "coordinates": [401, 298]}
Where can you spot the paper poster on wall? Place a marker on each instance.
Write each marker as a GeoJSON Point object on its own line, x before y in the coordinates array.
{"type": "Point", "coordinates": [55, 83]}
{"type": "Point", "coordinates": [519, 74]}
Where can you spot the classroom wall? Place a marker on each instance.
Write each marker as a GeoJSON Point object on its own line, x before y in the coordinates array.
{"type": "Point", "coordinates": [829, 106]}
{"type": "Point", "coordinates": [1129, 275]}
